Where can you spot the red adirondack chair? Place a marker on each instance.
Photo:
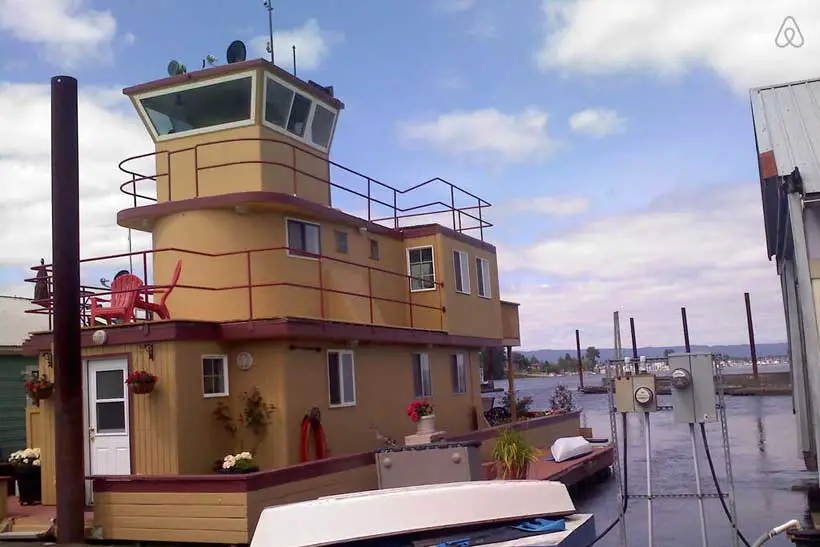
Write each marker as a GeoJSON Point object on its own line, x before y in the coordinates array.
{"type": "Point", "coordinates": [160, 308]}
{"type": "Point", "coordinates": [123, 299]}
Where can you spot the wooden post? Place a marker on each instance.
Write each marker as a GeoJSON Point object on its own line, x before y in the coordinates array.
{"type": "Point", "coordinates": [750, 325]}
{"type": "Point", "coordinates": [580, 360]}
{"type": "Point", "coordinates": [511, 385]}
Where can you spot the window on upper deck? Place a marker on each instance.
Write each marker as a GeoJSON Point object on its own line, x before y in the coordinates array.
{"type": "Point", "coordinates": [294, 113]}
{"type": "Point", "coordinates": [221, 103]}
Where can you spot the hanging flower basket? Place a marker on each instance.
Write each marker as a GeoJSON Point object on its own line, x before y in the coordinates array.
{"type": "Point", "coordinates": [141, 382]}
{"type": "Point", "coordinates": [38, 387]}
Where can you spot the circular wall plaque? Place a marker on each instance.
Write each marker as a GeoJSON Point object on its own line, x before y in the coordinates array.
{"type": "Point", "coordinates": [244, 360]}
{"type": "Point", "coordinates": [99, 337]}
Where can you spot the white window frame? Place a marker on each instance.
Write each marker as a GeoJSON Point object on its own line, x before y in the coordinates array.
{"type": "Point", "coordinates": [225, 370]}
{"type": "Point", "coordinates": [460, 387]}
{"type": "Point", "coordinates": [287, 238]}
{"type": "Point", "coordinates": [409, 274]}
{"type": "Point", "coordinates": [463, 273]}
{"type": "Point", "coordinates": [424, 374]}
{"type": "Point", "coordinates": [185, 87]}
{"type": "Point", "coordinates": [308, 137]}
{"type": "Point", "coordinates": [485, 287]}
{"type": "Point", "coordinates": [340, 352]}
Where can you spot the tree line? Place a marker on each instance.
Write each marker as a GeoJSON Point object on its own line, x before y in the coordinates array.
{"type": "Point", "coordinates": [494, 361]}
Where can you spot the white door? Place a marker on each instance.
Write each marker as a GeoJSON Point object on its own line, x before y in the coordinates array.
{"type": "Point", "coordinates": [107, 433]}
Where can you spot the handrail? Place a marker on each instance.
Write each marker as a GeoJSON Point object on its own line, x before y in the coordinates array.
{"type": "Point", "coordinates": [46, 306]}
{"type": "Point", "coordinates": [457, 212]}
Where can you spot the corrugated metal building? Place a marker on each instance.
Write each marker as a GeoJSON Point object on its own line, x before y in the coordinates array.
{"type": "Point", "coordinates": [787, 132]}
{"type": "Point", "coordinates": [15, 326]}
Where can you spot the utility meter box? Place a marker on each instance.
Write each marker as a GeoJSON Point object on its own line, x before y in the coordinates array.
{"type": "Point", "coordinates": [636, 393]}
{"type": "Point", "coordinates": [693, 388]}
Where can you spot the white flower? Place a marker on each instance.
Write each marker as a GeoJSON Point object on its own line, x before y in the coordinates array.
{"type": "Point", "coordinates": [227, 465]}
{"type": "Point", "coordinates": [36, 462]}
{"type": "Point", "coordinates": [25, 460]}
{"type": "Point", "coordinates": [244, 456]}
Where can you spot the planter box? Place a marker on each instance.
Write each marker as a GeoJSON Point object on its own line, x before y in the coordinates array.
{"type": "Point", "coordinates": [28, 485]}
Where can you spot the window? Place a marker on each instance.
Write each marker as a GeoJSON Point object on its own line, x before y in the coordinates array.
{"type": "Point", "coordinates": [341, 378]}
{"type": "Point", "coordinates": [482, 270]}
{"type": "Point", "coordinates": [374, 249]}
{"type": "Point", "coordinates": [422, 382]}
{"type": "Point", "coordinates": [457, 373]}
{"type": "Point", "coordinates": [214, 375]}
{"type": "Point", "coordinates": [303, 239]}
{"type": "Point", "coordinates": [290, 111]}
{"type": "Point", "coordinates": [341, 242]}
{"type": "Point", "coordinates": [461, 264]}
{"type": "Point", "coordinates": [214, 104]}
{"type": "Point", "coordinates": [421, 269]}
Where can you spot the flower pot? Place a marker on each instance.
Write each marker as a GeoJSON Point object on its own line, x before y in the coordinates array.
{"type": "Point", "coordinates": [28, 484]}
{"type": "Point", "coordinates": [426, 425]}
{"type": "Point", "coordinates": [234, 471]}
{"type": "Point", "coordinates": [141, 389]}
{"type": "Point", "coordinates": [43, 393]}
{"type": "Point", "coordinates": [513, 473]}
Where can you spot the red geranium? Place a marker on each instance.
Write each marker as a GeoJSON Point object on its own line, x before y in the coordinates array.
{"type": "Point", "coordinates": [418, 409]}
{"type": "Point", "coordinates": [141, 377]}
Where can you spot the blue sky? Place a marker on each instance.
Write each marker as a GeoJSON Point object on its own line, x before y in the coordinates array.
{"type": "Point", "coordinates": [617, 149]}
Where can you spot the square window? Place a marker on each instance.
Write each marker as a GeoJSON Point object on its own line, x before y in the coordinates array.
{"type": "Point", "coordinates": [215, 375]}
{"type": "Point", "coordinates": [421, 269]}
{"type": "Point", "coordinates": [422, 381]}
{"type": "Point", "coordinates": [461, 266]}
{"type": "Point", "coordinates": [341, 242]}
{"type": "Point", "coordinates": [341, 378]}
{"type": "Point", "coordinates": [303, 239]}
{"type": "Point", "coordinates": [374, 249]}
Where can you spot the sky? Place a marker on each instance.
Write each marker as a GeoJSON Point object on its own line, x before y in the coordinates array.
{"type": "Point", "coordinates": [614, 139]}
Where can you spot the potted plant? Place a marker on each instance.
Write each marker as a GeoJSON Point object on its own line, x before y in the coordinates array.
{"type": "Point", "coordinates": [513, 455]}
{"type": "Point", "coordinates": [238, 463]}
{"type": "Point", "coordinates": [141, 381]}
{"type": "Point", "coordinates": [26, 465]}
{"type": "Point", "coordinates": [421, 412]}
{"type": "Point", "coordinates": [38, 387]}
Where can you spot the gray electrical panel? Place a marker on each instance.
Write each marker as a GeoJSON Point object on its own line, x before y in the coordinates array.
{"type": "Point", "coordinates": [693, 388]}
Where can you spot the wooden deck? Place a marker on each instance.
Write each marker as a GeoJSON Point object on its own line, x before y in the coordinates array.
{"type": "Point", "coordinates": [570, 472]}
{"type": "Point", "coordinates": [32, 521]}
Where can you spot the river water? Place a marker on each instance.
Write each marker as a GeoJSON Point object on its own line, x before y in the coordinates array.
{"type": "Point", "coordinates": [770, 479]}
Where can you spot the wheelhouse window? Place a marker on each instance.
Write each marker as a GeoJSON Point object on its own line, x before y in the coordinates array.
{"type": "Point", "coordinates": [214, 375]}
{"type": "Point", "coordinates": [458, 374]}
{"type": "Point", "coordinates": [341, 242]}
{"type": "Point", "coordinates": [290, 111]}
{"type": "Point", "coordinates": [197, 108]}
{"type": "Point", "coordinates": [341, 378]}
{"type": "Point", "coordinates": [421, 269]}
{"type": "Point", "coordinates": [422, 381]}
{"type": "Point", "coordinates": [374, 249]}
{"type": "Point", "coordinates": [461, 265]}
{"type": "Point", "coordinates": [482, 270]}
{"type": "Point", "coordinates": [303, 239]}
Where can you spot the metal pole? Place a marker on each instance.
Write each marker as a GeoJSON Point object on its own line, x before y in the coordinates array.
{"type": "Point", "coordinates": [751, 327]}
{"type": "Point", "coordinates": [65, 243]}
{"type": "Point", "coordinates": [624, 534]}
{"type": "Point", "coordinates": [294, 59]}
{"type": "Point", "coordinates": [634, 343]}
{"type": "Point", "coordinates": [617, 320]}
{"type": "Point", "coordinates": [648, 479]}
{"type": "Point", "coordinates": [580, 361]}
{"type": "Point", "coordinates": [511, 386]}
{"type": "Point", "coordinates": [269, 7]}
{"type": "Point", "coordinates": [685, 330]}
{"type": "Point", "coordinates": [704, 538]}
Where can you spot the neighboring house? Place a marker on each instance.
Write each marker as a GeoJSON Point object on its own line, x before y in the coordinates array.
{"type": "Point", "coordinates": [15, 326]}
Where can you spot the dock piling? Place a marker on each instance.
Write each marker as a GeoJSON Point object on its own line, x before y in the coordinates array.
{"type": "Point", "coordinates": [751, 327]}
{"type": "Point", "coordinates": [580, 361]}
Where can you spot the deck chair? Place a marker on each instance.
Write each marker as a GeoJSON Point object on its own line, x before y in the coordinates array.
{"type": "Point", "coordinates": [123, 299]}
{"type": "Point", "coordinates": [160, 308]}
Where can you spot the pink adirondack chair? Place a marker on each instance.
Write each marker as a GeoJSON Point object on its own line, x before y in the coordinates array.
{"type": "Point", "coordinates": [160, 308]}
{"type": "Point", "coordinates": [124, 291]}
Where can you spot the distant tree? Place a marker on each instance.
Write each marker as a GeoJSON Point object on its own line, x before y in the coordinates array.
{"type": "Point", "coordinates": [494, 361]}
{"type": "Point", "coordinates": [668, 352]}
{"type": "Point", "coordinates": [592, 355]}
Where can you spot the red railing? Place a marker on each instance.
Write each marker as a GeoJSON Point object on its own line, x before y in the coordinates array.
{"type": "Point", "coordinates": [472, 212]}
{"type": "Point", "coordinates": [46, 306]}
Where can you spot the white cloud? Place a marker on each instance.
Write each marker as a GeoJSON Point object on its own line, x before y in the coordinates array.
{"type": "Point", "coordinates": [312, 45]}
{"type": "Point", "coordinates": [700, 249]}
{"type": "Point", "coordinates": [68, 30]}
{"type": "Point", "coordinates": [109, 131]}
{"type": "Point", "coordinates": [733, 38]}
{"type": "Point", "coordinates": [554, 206]}
{"type": "Point", "coordinates": [597, 122]}
{"type": "Point", "coordinates": [454, 6]}
{"type": "Point", "coordinates": [484, 134]}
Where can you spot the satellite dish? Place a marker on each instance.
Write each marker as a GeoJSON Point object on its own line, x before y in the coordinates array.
{"type": "Point", "coordinates": [175, 68]}
{"type": "Point", "coordinates": [236, 52]}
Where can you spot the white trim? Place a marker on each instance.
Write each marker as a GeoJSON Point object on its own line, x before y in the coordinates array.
{"type": "Point", "coordinates": [341, 377]}
{"type": "Point", "coordinates": [185, 87]}
{"type": "Point", "coordinates": [409, 278]}
{"type": "Point", "coordinates": [485, 277]}
{"type": "Point", "coordinates": [424, 365]}
{"type": "Point", "coordinates": [307, 138]}
{"type": "Point", "coordinates": [464, 260]}
{"type": "Point", "coordinates": [287, 238]}
{"type": "Point", "coordinates": [224, 359]}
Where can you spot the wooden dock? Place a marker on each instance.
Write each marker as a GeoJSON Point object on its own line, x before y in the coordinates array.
{"type": "Point", "coordinates": [571, 472]}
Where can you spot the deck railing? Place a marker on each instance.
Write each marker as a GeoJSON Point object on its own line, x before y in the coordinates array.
{"type": "Point", "coordinates": [323, 264]}
{"type": "Point", "coordinates": [396, 202]}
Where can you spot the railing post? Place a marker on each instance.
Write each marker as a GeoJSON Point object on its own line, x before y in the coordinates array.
{"type": "Point", "coordinates": [453, 206]}
{"type": "Point", "coordinates": [480, 221]}
{"type": "Point", "coordinates": [250, 286]}
{"type": "Point", "coordinates": [369, 202]}
{"type": "Point", "coordinates": [134, 187]}
{"type": "Point", "coordinates": [370, 291]}
{"type": "Point", "coordinates": [167, 178]}
{"type": "Point", "coordinates": [395, 210]}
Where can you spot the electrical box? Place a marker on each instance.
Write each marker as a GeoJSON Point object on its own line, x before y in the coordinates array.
{"type": "Point", "coordinates": [693, 388]}
{"type": "Point", "coordinates": [636, 393]}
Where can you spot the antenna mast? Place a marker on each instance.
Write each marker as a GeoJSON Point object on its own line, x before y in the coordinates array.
{"type": "Point", "coordinates": [269, 6]}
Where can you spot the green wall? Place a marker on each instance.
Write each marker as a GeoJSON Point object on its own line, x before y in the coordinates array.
{"type": "Point", "coordinates": [13, 402]}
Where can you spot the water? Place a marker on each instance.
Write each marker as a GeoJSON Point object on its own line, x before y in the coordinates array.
{"type": "Point", "coordinates": [770, 478]}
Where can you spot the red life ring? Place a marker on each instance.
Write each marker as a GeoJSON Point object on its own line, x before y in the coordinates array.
{"type": "Point", "coordinates": [312, 427]}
